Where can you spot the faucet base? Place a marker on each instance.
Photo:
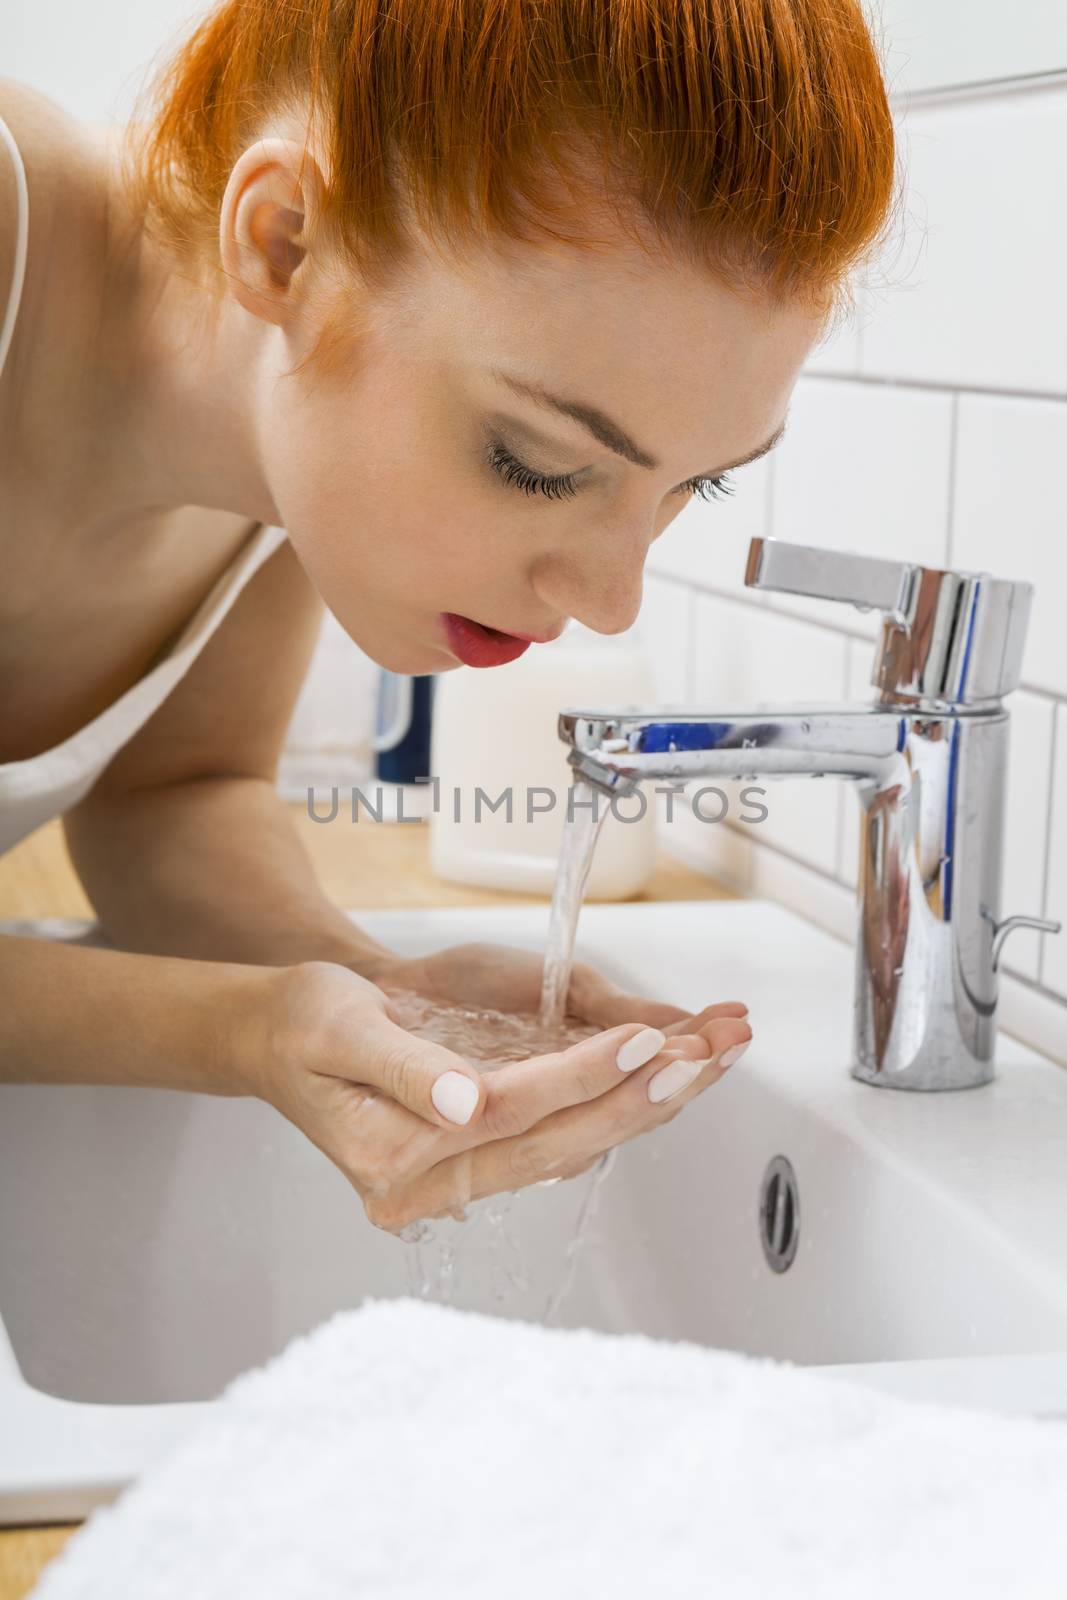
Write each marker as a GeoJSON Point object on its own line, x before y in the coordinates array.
{"type": "Point", "coordinates": [971, 1076]}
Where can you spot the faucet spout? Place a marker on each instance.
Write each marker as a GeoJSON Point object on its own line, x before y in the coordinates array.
{"type": "Point", "coordinates": [616, 750]}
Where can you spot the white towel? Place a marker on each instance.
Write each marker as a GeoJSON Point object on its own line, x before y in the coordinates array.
{"type": "Point", "coordinates": [412, 1450]}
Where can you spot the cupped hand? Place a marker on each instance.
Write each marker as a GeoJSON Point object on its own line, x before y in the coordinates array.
{"type": "Point", "coordinates": [506, 978]}
{"type": "Point", "coordinates": [420, 1132]}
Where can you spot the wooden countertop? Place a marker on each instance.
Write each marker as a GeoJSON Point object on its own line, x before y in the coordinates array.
{"type": "Point", "coordinates": [373, 865]}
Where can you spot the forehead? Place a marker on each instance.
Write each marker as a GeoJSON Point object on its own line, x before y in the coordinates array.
{"type": "Point", "coordinates": [698, 367]}
{"type": "Point", "coordinates": [612, 303]}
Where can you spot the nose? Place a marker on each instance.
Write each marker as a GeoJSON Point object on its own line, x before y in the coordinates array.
{"type": "Point", "coordinates": [600, 588]}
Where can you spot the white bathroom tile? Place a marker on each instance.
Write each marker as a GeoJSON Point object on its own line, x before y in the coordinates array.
{"type": "Point", "coordinates": [1026, 824]}
{"type": "Point", "coordinates": [863, 467]}
{"type": "Point", "coordinates": [1054, 966]}
{"type": "Point", "coordinates": [707, 543]}
{"type": "Point", "coordinates": [720, 852]}
{"type": "Point", "coordinates": [838, 352]}
{"type": "Point", "coordinates": [744, 657]}
{"type": "Point", "coordinates": [1033, 1017]}
{"type": "Point", "coordinates": [1009, 517]}
{"type": "Point", "coordinates": [971, 287]}
{"type": "Point", "coordinates": [664, 627]}
{"type": "Point", "coordinates": [792, 884]}
{"type": "Point", "coordinates": [937, 44]}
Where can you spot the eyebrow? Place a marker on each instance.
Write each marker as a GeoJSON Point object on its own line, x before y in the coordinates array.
{"type": "Point", "coordinates": [608, 432]}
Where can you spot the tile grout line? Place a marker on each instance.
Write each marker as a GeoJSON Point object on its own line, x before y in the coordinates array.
{"type": "Point", "coordinates": [935, 385]}
{"type": "Point", "coordinates": [980, 90]}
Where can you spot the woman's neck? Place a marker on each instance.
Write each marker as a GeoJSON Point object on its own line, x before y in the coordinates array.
{"type": "Point", "coordinates": [129, 392]}
{"type": "Point", "coordinates": [185, 377]}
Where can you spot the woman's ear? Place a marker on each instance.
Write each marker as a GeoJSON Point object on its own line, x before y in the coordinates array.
{"type": "Point", "coordinates": [269, 215]}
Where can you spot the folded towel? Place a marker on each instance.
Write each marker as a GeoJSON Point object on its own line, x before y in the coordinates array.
{"type": "Point", "coordinates": [413, 1450]}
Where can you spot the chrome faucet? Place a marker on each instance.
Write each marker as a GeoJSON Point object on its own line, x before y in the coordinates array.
{"type": "Point", "coordinates": [928, 761]}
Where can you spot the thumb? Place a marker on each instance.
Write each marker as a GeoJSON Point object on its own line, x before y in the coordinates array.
{"type": "Point", "coordinates": [428, 1078]}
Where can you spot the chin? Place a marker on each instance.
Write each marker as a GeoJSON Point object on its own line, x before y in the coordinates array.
{"type": "Point", "coordinates": [413, 660]}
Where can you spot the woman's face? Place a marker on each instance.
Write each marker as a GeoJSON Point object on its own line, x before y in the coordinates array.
{"type": "Point", "coordinates": [382, 470]}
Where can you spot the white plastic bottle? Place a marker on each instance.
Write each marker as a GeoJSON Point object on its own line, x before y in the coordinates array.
{"type": "Point", "coordinates": [495, 729]}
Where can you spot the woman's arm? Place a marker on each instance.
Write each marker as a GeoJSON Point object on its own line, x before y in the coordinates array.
{"type": "Point", "coordinates": [74, 1015]}
{"type": "Point", "coordinates": [212, 868]}
{"type": "Point", "coordinates": [183, 846]}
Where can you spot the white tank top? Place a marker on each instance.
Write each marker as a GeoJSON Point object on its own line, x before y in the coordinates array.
{"type": "Point", "coordinates": [46, 785]}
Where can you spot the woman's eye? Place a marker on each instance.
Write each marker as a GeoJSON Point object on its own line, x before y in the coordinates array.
{"type": "Point", "coordinates": [709, 488]}
{"type": "Point", "coordinates": [512, 471]}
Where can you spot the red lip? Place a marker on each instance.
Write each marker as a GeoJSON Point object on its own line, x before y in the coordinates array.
{"type": "Point", "coordinates": [478, 646]}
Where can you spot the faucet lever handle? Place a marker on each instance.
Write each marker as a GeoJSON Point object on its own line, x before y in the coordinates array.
{"type": "Point", "coordinates": [869, 582]}
{"type": "Point", "coordinates": [948, 638]}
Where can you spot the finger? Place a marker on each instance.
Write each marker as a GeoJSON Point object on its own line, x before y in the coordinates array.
{"type": "Point", "coordinates": [563, 1144]}
{"type": "Point", "coordinates": [721, 1008]}
{"type": "Point", "coordinates": [578, 1134]}
{"type": "Point", "coordinates": [426, 1078]}
{"type": "Point", "coordinates": [593, 996]}
{"type": "Point", "coordinates": [522, 1093]}
{"type": "Point", "coordinates": [671, 1019]}
{"type": "Point", "coordinates": [518, 1096]}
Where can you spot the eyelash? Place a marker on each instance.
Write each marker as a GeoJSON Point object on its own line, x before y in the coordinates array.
{"type": "Point", "coordinates": [506, 467]}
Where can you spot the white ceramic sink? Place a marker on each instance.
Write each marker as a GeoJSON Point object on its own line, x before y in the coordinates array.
{"type": "Point", "coordinates": [155, 1244]}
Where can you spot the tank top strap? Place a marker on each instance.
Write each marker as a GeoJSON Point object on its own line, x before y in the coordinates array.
{"type": "Point", "coordinates": [22, 236]}
{"type": "Point", "coordinates": [45, 785]}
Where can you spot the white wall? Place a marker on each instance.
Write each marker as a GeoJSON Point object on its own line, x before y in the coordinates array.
{"type": "Point", "coordinates": [91, 58]}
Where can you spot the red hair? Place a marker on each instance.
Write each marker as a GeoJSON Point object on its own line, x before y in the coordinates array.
{"type": "Point", "coordinates": [750, 137]}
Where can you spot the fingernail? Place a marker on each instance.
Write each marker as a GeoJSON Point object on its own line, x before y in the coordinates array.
{"type": "Point", "coordinates": [455, 1096]}
{"type": "Point", "coordinates": [735, 1052]}
{"type": "Point", "coordinates": [641, 1048]}
{"type": "Point", "coordinates": [671, 1080]}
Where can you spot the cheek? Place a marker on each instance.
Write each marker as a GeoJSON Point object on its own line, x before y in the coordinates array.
{"type": "Point", "coordinates": [378, 532]}
{"type": "Point", "coordinates": [381, 498]}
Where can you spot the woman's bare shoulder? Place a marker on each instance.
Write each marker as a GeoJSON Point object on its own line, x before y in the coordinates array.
{"type": "Point", "coordinates": [61, 157]}
{"type": "Point", "coordinates": [66, 265]}
{"type": "Point", "coordinates": [52, 145]}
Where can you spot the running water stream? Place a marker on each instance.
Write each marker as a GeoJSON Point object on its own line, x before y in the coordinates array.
{"type": "Point", "coordinates": [493, 1038]}
{"type": "Point", "coordinates": [585, 818]}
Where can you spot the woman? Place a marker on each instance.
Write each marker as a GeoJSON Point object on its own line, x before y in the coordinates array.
{"type": "Point", "coordinates": [467, 300]}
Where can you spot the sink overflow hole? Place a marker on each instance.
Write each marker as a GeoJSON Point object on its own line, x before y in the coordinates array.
{"type": "Point", "coordinates": [779, 1214]}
